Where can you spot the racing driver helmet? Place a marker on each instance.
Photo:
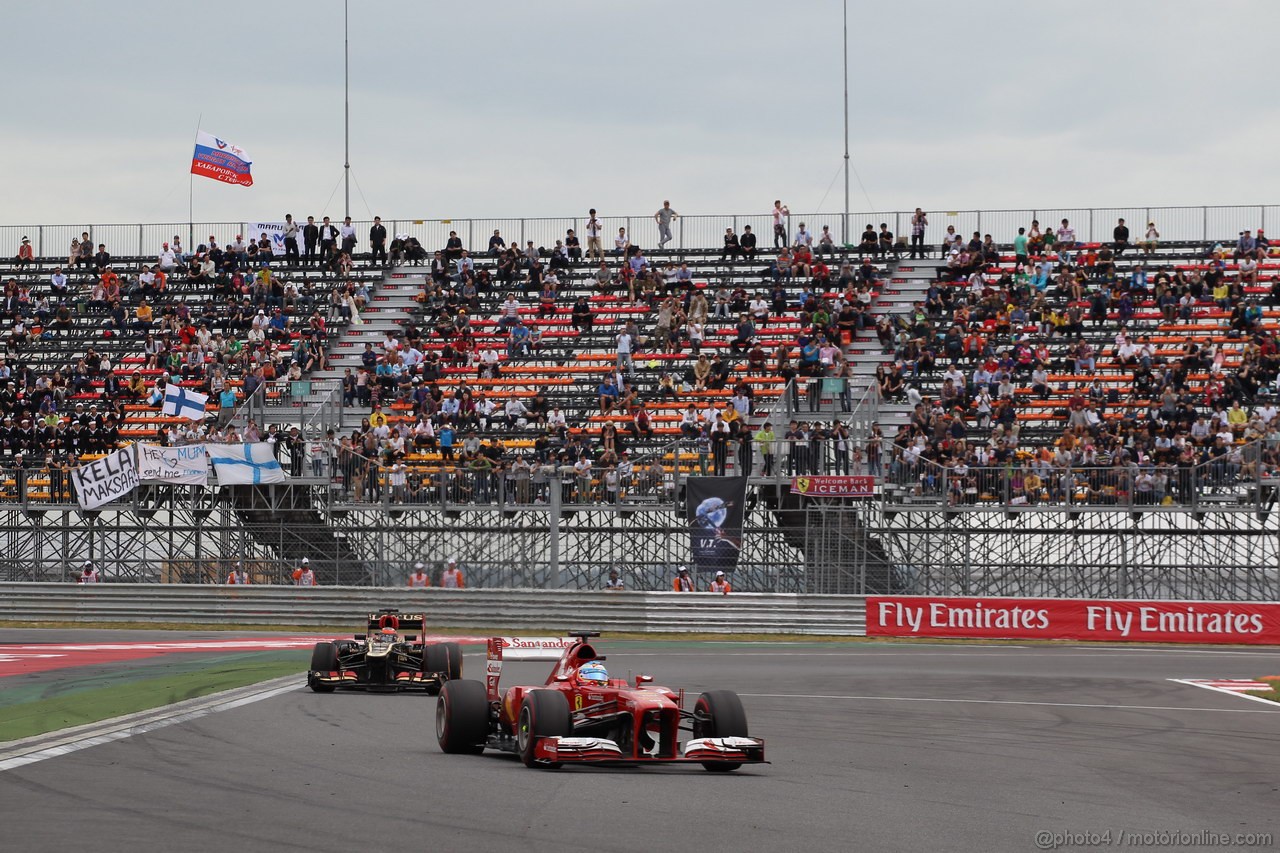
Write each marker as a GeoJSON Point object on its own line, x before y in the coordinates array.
{"type": "Point", "coordinates": [593, 672]}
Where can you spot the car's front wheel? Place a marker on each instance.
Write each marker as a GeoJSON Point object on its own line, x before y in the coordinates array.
{"type": "Point", "coordinates": [435, 659]}
{"type": "Point", "coordinates": [324, 658]}
{"type": "Point", "coordinates": [719, 713]}
{"type": "Point", "coordinates": [543, 713]}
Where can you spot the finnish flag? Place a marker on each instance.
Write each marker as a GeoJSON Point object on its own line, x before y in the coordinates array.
{"type": "Point", "coordinates": [245, 464]}
{"type": "Point", "coordinates": [181, 403]}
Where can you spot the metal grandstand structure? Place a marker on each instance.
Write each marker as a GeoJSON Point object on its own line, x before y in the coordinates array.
{"type": "Point", "coordinates": [1205, 533]}
{"type": "Point", "coordinates": [1226, 549]}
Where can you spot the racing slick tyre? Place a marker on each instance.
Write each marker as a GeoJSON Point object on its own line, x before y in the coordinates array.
{"type": "Point", "coordinates": [435, 658]}
{"type": "Point", "coordinates": [544, 713]}
{"type": "Point", "coordinates": [324, 658]}
{"type": "Point", "coordinates": [719, 713]}
{"type": "Point", "coordinates": [455, 660]}
{"type": "Point", "coordinates": [462, 718]}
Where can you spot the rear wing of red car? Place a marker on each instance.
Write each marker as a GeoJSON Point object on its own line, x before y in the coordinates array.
{"type": "Point", "coordinates": [519, 649]}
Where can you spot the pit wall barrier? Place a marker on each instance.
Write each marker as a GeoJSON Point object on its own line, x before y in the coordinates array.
{"type": "Point", "coordinates": [1104, 620]}
{"type": "Point", "coordinates": [505, 609]}
{"type": "Point", "coordinates": [1101, 620]}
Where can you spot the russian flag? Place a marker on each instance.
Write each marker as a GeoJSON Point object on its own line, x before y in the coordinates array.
{"type": "Point", "coordinates": [218, 159]}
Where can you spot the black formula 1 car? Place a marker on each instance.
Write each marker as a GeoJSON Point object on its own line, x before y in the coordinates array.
{"type": "Point", "coordinates": [385, 658]}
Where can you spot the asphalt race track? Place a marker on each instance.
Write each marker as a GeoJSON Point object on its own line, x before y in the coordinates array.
{"type": "Point", "coordinates": [874, 747]}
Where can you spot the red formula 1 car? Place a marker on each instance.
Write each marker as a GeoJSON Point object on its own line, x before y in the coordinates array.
{"type": "Point", "coordinates": [580, 715]}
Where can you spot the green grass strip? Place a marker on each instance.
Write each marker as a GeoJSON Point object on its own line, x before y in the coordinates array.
{"type": "Point", "coordinates": [1274, 693]}
{"type": "Point", "coordinates": [79, 706]}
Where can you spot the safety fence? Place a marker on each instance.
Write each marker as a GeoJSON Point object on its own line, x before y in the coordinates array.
{"type": "Point", "coordinates": [1240, 477]}
{"type": "Point", "coordinates": [348, 480]}
{"type": "Point", "coordinates": [474, 609]}
{"type": "Point", "coordinates": [700, 231]}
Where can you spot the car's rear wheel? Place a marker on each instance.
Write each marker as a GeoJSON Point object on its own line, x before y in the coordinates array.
{"type": "Point", "coordinates": [462, 718]}
{"type": "Point", "coordinates": [543, 713]}
{"type": "Point", "coordinates": [455, 660]}
{"type": "Point", "coordinates": [719, 713]}
{"type": "Point", "coordinates": [324, 658]}
{"type": "Point", "coordinates": [435, 658]}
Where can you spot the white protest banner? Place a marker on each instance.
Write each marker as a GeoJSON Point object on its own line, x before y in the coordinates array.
{"type": "Point", "coordinates": [273, 230]}
{"type": "Point", "coordinates": [185, 465]}
{"type": "Point", "coordinates": [113, 476]}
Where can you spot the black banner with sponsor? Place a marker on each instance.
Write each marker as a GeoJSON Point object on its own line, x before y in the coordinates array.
{"type": "Point", "coordinates": [714, 511]}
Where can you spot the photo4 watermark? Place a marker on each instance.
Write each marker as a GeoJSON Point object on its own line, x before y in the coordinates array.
{"type": "Point", "coordinates": [1171, 838]}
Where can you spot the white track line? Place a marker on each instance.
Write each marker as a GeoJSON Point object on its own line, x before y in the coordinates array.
{"type": "Point", "coordinates": [1236, 693]}
{"type": "Point", "coordinates": [1138, 651]}
{"type": "Point", "coordinates": [906, 652]}
{"type": "Point", "coordinates": [1010, 702]}
{"type": "Point", "coordinates": [631, 654]}
{"type": "Point", "coordinates": [118, 728]}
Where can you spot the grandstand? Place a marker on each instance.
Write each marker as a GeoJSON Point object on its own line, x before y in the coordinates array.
{"type": "Point", "coordinates": [1000, 392]}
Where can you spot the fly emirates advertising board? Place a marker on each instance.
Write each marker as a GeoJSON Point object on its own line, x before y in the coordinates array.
{"type": "Point", "coordinates": [1075, 619]}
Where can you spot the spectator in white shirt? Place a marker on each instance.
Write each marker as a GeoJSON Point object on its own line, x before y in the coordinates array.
{"type": "Point", "coordinates": [515, 410]}
{"type": "Point", "coordinates": [689, 422]}
{"type": "Point", "coordinates": [1066, 242]}
{"type": "Point", "coordinates": [58, 281]}
{"type": "Point", "coordinates": [489, 367]}
{"type": "Point", "coordinates": [510, 311]}
{"type": "Point", "coordinates": [624, 354]}
{"type": "Point", "coordinates": [466, 268]}
{"type": "Point", "coordinates": [760, 311]}
{"type": "Point", "coordinates": [484, 411]}
{"type": "Point", "coordinates": [348, 234]}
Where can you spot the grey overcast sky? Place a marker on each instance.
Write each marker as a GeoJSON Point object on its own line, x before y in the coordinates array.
{"type": "Point", "coordinates": [509, 108]}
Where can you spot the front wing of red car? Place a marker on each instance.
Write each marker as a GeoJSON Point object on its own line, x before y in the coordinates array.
{"type": "Point", "coordinates": [738, 750]}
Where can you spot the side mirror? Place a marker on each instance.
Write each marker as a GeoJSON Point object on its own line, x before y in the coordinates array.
{"type": "Point", "coordinates": [562, 678]}
{"type": "Point", "coordinates": [357, 636]}
{"type": "Point", "coordinates": [643, 679]}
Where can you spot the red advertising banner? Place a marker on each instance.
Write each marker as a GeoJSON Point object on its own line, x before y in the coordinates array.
{"type": "Point", "coordinates": [858, 486]}
{"type": "Point", "coordinates": [1075, 619]}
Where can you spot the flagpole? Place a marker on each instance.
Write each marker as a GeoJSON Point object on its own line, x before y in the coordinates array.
{"type": "Point", "coordinates": [346, 106]}
{"type": "Point", "coordinates": [845, 225]}
{"type": "Point", "coordinates": [191, 220]}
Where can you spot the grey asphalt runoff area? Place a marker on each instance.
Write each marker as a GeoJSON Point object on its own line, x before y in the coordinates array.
{"type": "Point", "coordinates": [876, 747]}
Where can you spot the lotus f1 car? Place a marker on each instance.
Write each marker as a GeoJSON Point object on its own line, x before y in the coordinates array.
{"type": "Point", "coordinates": [385, 658]}
{"type": "Point", "coordinates": [573, 720]}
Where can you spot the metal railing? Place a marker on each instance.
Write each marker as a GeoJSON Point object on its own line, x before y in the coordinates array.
{"type": "Point", "coordinates": [473, 609]}
{"type": "Point", "coordinates": [829, 401]}
{"type": "Point", "coordinates": [1239, 479]}
{"type": "Point", "coordinates": [700, 231]}
{"type": "Point", "coordinates": [366, 482]}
